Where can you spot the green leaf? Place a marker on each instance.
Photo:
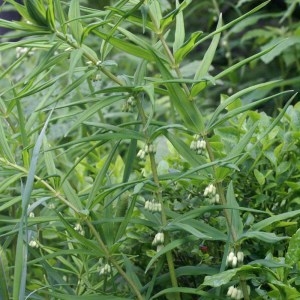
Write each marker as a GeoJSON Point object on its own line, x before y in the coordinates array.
{"type": "Point", "coordinates": [74, 22]}
{"type": "Point", "coordinates": [50, 15]}
{"type": "Point", "coordinates": [4, 275]}
{"type": "Point", "coordinates": [274, 219]}
{"type": "Point", "coordinates": [292, 256]}
{"type": "Point", "coordinates": [184, 150]}
{"type": "Point", "coordinates": [242, 63]}
{"type": "Point", "coordinates": [167, 248]}
{"type": "Point", "coordinates": [187, 109]}
{"type": "Point", "coordinates": [225, 277]}
{"type": "Point", "coordinates": [59, 12]}
{"type": "Point", "coordinates": [99, 180]}
{"type": "Point", "coordinates": [213, 120]}
{"type": "Point", "coordinates": [94, 109]}
{"type": "Point", "coordinates": [188, 228]}
{"type": "Point", "coordinates": [4, 147]}
{"type": "Point", "coordinates": [71, 195]}
{"type": "Point", "coordinates": [206, 62]}
{"type": "Point", "coordinates": [93, 247]}
{"type": "Point", "coordinates": [179, 30]}
{"type": "Point", "coordinates": [259, 177]}
{"type": "Point", "coordinates": [268, 237]}
{"type": "Point", "coordinates": [187, 47]}
{"type": "Point", "coordinates": [277, 46]}
{"type": "Point", "coordinates": [131, 272]}
{"type": "Point", "coordinates": [22, 241]}
{"type": "Point", "coordinates": [37, 12]}
{"type": "Point", "coordinates": [86, 297]}
{"type": "Point", "coordinates": [125, 46]}
{"type": "Point", "coordinates": [234, 215]}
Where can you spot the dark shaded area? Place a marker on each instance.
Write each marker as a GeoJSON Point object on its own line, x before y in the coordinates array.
{"type": "Point", "coordinates": [9, 15]}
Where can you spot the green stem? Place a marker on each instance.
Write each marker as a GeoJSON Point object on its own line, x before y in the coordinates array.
{"type": "Point", "coordinates": [227, 215]}
{"type": "Point", "coordinates": [113, 261]}
{"type": "Point", "coordinates": [158, 194]}
{"type": "Point", "coordinates": [91, 58]}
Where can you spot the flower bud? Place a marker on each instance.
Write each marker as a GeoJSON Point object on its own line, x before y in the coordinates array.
{"type": "Point", "coordinates": [239, 294]}
{"type": "Point", "coordinates": [230, 290]}
{"type": "Point", "coordinates": [193, 145]}
{"type": "Point", "coordinates": [234, 262]}
{"type": "Point", "coordinates": [240, 256]}
{"type": "Point", "coordinates": [158, 239]}
{"type": "Point", "coordinates": [230, 256]}
{"type": "Point", "coordinates": [141, 154]}
{"type": "Point", "coordinates": [147, 205]}
{"type": "Point", "coordinates": [234, 293]}
{"type": "Point", "coordinates": [33, 244]}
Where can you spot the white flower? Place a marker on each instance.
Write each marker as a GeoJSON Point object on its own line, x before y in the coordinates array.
{"type": "Point", "coordinates": [31, 215]}
{"type": "Point", "coordinates": [210, 191]}
{"type": "Point", "coordinates": [193, 145]}
{"type": "Point", "coordinates": [240, 256]}
{"type": "Point", "coordinates": [234, 262]}
{"type": "Point", "coordinates": [239, 294]}
{"type": "Point", "coordinates": [217, 198]}
{"type": "Point", "coordinates": [230, 290]}
{"type": "Point", "coordinates": [33, 244]}
{"type": "Point", "coordinates": [141, 154]}
{"type": "Point", "coordinates": [159, 247]}
{"type": "Point", "coordinates": [22, 50]}
{"type": "Point", "coordinates": [79, 228]}
{"type": "Point", "coordinates": [198, 144]}
{"type": "Point", "coordinates": [106, 269]}
{"type": "Point", "coordinates": [158, 239]}
{"type": "Point", "coordinates": [234, 293]}
{"type": "Point", "coordinates": [230, 256]}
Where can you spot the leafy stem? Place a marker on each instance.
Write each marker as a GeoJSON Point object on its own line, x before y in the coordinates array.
{"type": "Point", "coordinates": [231, 228]}
{"type": "Point", "coordinates": [158, 194]}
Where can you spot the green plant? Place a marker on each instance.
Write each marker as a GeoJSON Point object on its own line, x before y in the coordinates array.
{"type": "Point", "coordinates": [118, 183]}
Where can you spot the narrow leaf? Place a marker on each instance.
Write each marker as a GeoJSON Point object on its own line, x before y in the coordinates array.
{"type": "Point", "coordinates": [235, 218]}
{"type": "Point", "coordinates": [206, 62]}
{"type": "Point", "coordinates": [179, 30]}
{"type": "Point", "coordinates": [75, 25]}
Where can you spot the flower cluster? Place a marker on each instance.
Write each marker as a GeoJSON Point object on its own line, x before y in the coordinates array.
{"type": "Point", "coordinates": [211, 192]}
{"type": "Point", "coordinates": [33, 244]}
{"type": "Point", "coordinates": [233, 259]}
{"type": "Point", "coordinates": [147, 149]}
{"type": "Point", "coordinates": [79, 228]}
{"type": "Point", "coordinates": [158, 239]}
{"type": "Point", "coordinates": [22, 50]}
{"type": "Point", "coordinates": [105, 270]}
{"type": "Point", "coordinates": [198, 144]}
{"type": "Point", "coordinates": [129, 104]}
{"type": "Point", "coordinates": [236, 293]}
{"type": "Point", "coordinates": [153, 206]}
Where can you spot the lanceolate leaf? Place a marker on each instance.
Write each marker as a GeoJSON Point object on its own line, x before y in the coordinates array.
{"type": "Point", "coordinates": [235, 219]}
{"type": "Point", "coordinates": [74, 22]}
{"type": "Point", "coordinates": [187, 109]}
{"type": "Point", "coordinates": [293, 254]}
{"type": "Point", "coordinates": [206, 62]}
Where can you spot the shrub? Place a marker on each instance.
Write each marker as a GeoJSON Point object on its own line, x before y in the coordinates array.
{"type": "Point", "coordinates": [122, 176]}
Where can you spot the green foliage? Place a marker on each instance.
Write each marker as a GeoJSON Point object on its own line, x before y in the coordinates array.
{"type": "Point", "coordinates": [138, 157]}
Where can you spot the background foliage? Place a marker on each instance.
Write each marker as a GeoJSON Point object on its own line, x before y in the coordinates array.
{"type": "Point", "coordinates": [144, 144]}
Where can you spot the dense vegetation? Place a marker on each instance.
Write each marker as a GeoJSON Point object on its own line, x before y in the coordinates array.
{"type": "Point", "coordinates": [150, 150]}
